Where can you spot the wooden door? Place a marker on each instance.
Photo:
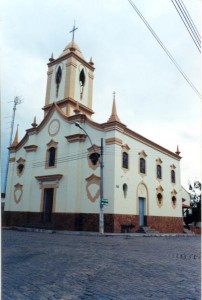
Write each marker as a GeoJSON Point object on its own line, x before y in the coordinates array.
{"type": "Point", "coordinates": [48, 204]}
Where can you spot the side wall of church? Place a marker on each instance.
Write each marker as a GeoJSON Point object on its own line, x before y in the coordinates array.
{"type": "Point", "coordinates": [128, 204]}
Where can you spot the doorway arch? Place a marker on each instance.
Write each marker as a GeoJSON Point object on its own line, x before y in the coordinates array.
{"type": "Point", "coordinates": [142, 204]}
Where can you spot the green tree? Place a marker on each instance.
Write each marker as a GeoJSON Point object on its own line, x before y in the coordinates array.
{"type": "Point", "coordinates": [195, 190]}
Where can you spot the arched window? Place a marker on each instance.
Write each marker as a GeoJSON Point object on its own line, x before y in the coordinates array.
{"type": "Point", "coordinates": [20, 168]}
{"type": "Point", "coordinates": [125, 189]}
{"type": "Point", "coordinates": [82, 77]}
{"type": "Point", "coordinates": [125, 160]}
{"type": "Point", "coordinates": [159, 197]}
{"type": "Point", "coordinates": [174, 200]}
{"type": "Point", "coordinates": [172, 176]}
{"type": "Point", "coordinates": [58, 78]}
{"type": "Point", "coordinates": [82, 81]}
{"type": "Point", "coordinates": [159, 173]}
{"type": "Point", "coordinates": [51, 156]}
{"type": "Point", "coordinates": [58, 75]}
{"type": "Point", "coordinates": [94, 157]}
{"type": "Point", "coordinates": [142, 165]}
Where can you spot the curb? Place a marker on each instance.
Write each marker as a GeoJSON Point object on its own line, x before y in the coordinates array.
{"type": "Point", "coordinates": [89, 233]}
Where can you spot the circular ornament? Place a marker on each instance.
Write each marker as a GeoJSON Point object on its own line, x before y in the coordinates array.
{"type": "Point", "coordinates": [54, 127]}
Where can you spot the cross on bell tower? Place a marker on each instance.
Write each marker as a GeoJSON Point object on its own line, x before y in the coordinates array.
{"type": "Point", "coordinates": [72, 31]}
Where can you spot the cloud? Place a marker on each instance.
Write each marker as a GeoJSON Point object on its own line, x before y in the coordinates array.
{"type": "Point", "coordinates": [152, 97]}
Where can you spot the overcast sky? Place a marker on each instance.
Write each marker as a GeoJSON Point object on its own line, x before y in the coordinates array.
{"type": "Point", "coordinates": [152, 97]}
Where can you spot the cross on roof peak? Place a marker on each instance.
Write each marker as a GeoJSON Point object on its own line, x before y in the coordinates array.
{"type": "Point", "coordinates": [73, 29]}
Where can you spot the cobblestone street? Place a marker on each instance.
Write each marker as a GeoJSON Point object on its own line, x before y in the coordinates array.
{"type": "Point", "coordinates": [63, 266]}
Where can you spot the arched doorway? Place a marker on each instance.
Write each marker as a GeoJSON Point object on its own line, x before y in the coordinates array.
{"type": "Point", "coordinates": [142, 204]}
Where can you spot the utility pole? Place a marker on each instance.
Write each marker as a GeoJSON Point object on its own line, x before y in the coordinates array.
{"type": "Point", "coordinates": [101, 219]}
{"type": "Point", "coordinates": [101, 212]}
{"type": "Point", "coordinates": [16, 101]}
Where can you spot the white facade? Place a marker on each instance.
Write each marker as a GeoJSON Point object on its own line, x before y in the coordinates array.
{"type": "Point", "coordinates": [72, 180]}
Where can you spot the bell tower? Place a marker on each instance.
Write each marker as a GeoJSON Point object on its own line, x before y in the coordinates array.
{"type": "Point", "coordinates": [70, 81]}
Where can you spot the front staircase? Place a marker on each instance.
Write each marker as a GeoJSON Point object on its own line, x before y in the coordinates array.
{"type": "Point", "coordinates": [188, 231]}
{"type": "Point", "coordinates": [147, 230]}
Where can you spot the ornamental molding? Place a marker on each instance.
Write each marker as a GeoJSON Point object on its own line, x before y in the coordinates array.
{"type": "Point", "coordinates": [93, 187]}
{"type": "Point", "coordinates": [52, 143]}
{"type": "Point", "coordinates": [18, 191]}
{"type": "Point", "coordinates": [76, 138]}
{"type": "Point", "coordinates": [21, 160]}
{"type": "Point", "coordinates": [173, 192]}
{"type": "Point", "coordinates": [12, 159]}
{"type": "Point", "coordinates": [159, 189]}
{"type": "Point", "coordinates": [159, 161]}
{"type": "Point", "coordinates": [142, 154]}
{"type": "Point", "coordinates": [113, 140]}
{"type": "Point", "coordinates": [45, 178]}
{"type": "Point", "coordinates": [31, 148]}
{"type": "Point", "coordinates": [125, 147]}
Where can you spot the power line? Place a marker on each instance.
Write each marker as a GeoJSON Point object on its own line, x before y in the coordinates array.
{"type": "Point", "coordinates": [108, 152]}
{"type": "Point", "coordinates": [183, 15]}
{"type": "Point", "coordinates": [189, 17]}
{"type": "Point", "coordinates": [165, 49]}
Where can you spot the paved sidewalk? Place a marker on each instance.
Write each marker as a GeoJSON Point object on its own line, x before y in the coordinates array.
{"type": "Point", "coordinates": [73, 265]}
{"type": "Point", "coordinates": [89, 233]}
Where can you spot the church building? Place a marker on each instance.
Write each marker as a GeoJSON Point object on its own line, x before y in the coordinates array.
{"type": "Point", "coordinates": [54, 177]}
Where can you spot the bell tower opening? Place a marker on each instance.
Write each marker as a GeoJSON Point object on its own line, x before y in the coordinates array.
{"type": "Point", "coordinates": [58, 79]}
{"type": "Point", "coordinates": [82, 82]}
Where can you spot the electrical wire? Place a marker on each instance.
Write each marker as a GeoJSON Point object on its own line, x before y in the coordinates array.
{"type": "Point", "coordinates": [165, 49]}
{"type": "Point", "coordinates": [188, 25]}
{"type": "Point", "coordinates": [83, 155]}
{"type": "Point", "coordinates": [191, 21]}
{"type": "Point", "coordinates": [107, 153]}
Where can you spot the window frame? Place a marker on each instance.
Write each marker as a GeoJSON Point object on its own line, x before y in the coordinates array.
{"type": "Point", "coordinates": [51, 145]}
{"type": "Point", "coordinates": [142, 168]}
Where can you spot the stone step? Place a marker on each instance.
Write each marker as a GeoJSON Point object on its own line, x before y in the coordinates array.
{"type": "Point", "coordinates": [187, 231]}
{"type": "Point", "coordinates": [38, 225]}
{"type": "Point", "coordinates": [148, 229]}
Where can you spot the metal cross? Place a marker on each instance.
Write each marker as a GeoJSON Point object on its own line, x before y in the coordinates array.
{"type": "Point", "coordinates": [74, 28]}
{"type": "Point", "coordinates": [114, 93]}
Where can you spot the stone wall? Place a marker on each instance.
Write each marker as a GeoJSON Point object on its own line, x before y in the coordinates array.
{"type": "Point", "coordinates": [195, 229]}
{"type": "Point", "coordinates": [166, 224]}
{"type": "Point", "coordinates": [90, 222]}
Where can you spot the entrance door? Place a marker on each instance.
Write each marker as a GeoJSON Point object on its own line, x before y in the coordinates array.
{"type": "Point", "coordinates": [48, 204]}
{"type": "Point", "coordinates": [141, 211]}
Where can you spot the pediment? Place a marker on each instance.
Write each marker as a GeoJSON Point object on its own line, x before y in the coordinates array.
{"type": "Point", "coordinates": [159, 161]}
{"type": "Point", "coordinates": [93, 178]}
{"type": "Point", "coordinates": [52, 143]}
{"type": "Point", "coordinates": [142, 154]}
{"type": "Point", "coordinates": [21, 160]}
{"type": "Point", "coordinates": [173, 192]}
{"type": "Point", "coordinates": [159, 189]}
{"type": "Point", "coordinates": [125, 147]}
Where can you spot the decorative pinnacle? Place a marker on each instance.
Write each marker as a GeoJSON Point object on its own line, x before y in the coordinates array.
{"type": "Point", "coordinates": [178, 152]}
{"type": "Point", "coordinates": [114, 117]}
{"type": "Point", "coordinates": [51, 58]}
{"type": "Point", "coordinates": [91, 62]}
{"type": "Point", "coordinates": [34, 124]}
